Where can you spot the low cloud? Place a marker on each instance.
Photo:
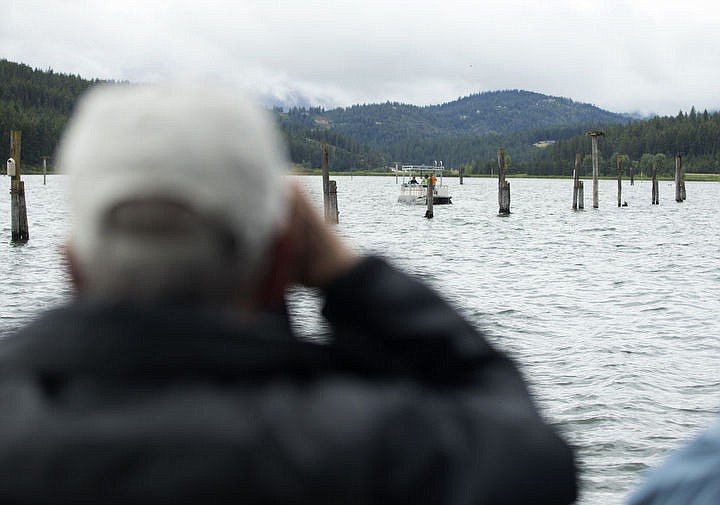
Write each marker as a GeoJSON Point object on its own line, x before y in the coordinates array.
{"type": "Point", "coordinates": [635, 56]}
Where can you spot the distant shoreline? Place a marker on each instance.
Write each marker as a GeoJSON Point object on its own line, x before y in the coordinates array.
{"type": "Point", "coordinates": [689, 176]}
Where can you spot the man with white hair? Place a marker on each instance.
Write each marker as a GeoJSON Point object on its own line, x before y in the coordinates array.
{"type": "Point", "coordinates": [174, 377]}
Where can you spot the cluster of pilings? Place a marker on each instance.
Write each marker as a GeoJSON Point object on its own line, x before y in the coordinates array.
{"type": "Point", "coordinates": [20, 231]}
{"type": "Point", "coordinates": [18, 208]}
{"type": "Point", "coordinates": [578, 201]}
{"type": "Point", "coordinates": [680, 194]}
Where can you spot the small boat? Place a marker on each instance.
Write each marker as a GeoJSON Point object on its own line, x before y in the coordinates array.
{"type": "Point", "coordinates": [414, 191]}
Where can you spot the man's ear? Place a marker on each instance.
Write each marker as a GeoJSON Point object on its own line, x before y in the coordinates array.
{"type": "Point", "coordinates": [71, 266]}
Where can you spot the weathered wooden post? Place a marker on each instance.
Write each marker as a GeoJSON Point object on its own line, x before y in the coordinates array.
{"type": "Point", "coordinates": [678, 161]}
{"type": "Point", "coordinates": [45, 158]}
{"type": "Point", "coordinates": [332, 211]}
{"type": "Point", "coordinates": [429, 198]}
{"type": "Point", "coordinates": [679, 179]}
{"type": "Point", "coordinates": [576, 183]}
{"type": "Point", "coordinates": [632, 175]}
{"type": "Point", "coordinates": [18, 210]}
{"type": "Point", "coordinates": [682, 184]}
{"type": "Point", "coordinates": [619, 179]}
{"type": "Point", "coordinates": [329, 189]}
{"type": "Point", "coordinates": [461, 172]}
{"type": "Point", "coordinates": [594, 134]}
{"type": "Point", "coordinates": [655, 187]}
{"type": "Point", "coordinates": [581, 195]}
{"type": "Point", "coordinates": [503, 185]}
{"type": "Point", "coordinates": [324, 165]}
{"type": "Point", "coordinates": [683, 195]}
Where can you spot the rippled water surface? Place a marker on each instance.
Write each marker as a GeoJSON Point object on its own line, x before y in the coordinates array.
{"type": "Point", "coordinates": [612, 313]}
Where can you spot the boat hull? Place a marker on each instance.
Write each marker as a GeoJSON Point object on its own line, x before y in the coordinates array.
{"type": "Point", "coordinates": [417, 195]}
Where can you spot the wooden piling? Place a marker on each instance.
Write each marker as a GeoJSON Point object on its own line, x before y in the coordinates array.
{"type": "Point", "coordinates": [576, 183]}
{"type": "Point", "coordinates": [595, 171]}
{"type": "Point", "coordinates": [679, 179]}
{"type": "Point", "coordinates": [619, 181]}
{"type": "Point", "coordinates": [503, 185]}
{"type": "Point", "coordinates": [429, 200]}
{"type": "Point", "coordinates": [325, 166]}
{"type": "Point", "coordinates": [45, 158]}
{"type": "Point", "coordinates": [332, 215]}
{"type": "Point", "coordinates": [461, 172]}
{"type": "Point", "coordinates": [655, 187]}
{"type": "Point", "coordinates": [581, 195]}
{"type": "Point", "coordinates": [594, 134]}
{"type": "Point", "coordinates": [683, 195]}
{"type": "Point", "coordinates": [18, 209]}
{"type": "Point", "coordinates": [329, 189]}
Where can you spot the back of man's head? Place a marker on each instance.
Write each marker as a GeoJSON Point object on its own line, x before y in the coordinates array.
{"type": "Point", "coordinates": [175, 190]}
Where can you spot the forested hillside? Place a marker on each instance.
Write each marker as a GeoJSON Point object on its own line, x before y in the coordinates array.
{"type": "Point", "coordinates": [528, 151]}
{"type": "Point", "coordinates": [540, 134]}
{"type": "Point", "coordinates": [493, 112]}
{"type": "Point", "coordinates": [466, 131]}
{"type": "Point", "coordinates": [695, 136]}
{"type": "Point", "coordinates": [38, 103]}
{"type": "Point", "coordinates": [305, 147]}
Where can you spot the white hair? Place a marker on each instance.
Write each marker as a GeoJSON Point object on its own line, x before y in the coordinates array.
{"type": "Point", "coordinates": [175, 190]}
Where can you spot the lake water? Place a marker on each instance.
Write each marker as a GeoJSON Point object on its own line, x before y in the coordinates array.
{"type": "Point", "coordinates": [612, 313]}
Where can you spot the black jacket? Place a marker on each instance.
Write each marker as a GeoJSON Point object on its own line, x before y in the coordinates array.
{"type": "Point", "coordinates": [408, 404]}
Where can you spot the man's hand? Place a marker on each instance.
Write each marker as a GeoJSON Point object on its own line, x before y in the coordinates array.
{"type": "Point", "coordinates": [318, 254]}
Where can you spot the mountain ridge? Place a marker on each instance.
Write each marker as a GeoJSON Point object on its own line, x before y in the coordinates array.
{"type": "Point", "coordinates": [540, 132]}
{"type": "Point", "coordinates": [483, 113]}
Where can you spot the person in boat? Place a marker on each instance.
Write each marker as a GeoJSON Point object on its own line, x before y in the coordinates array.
{"type": "Point", "coordinates": [174, 376]}
{"type": "Point", "coordinates": [432, 180]}
{"type": "Point", "coordinates": [413, 180]}
{"type": "Point", "coordinates": [425, 180]}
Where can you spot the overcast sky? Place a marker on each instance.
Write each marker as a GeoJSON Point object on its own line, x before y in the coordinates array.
{"type": "Point", "coordinates": [647, 56]}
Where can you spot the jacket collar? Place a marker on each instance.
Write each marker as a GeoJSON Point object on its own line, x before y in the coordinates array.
{"type": "Point", "coordinates": [118, 339]}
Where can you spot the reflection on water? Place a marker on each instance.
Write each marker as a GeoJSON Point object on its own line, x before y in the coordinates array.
{"type": "Point", "coordinates": [611, 312]}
